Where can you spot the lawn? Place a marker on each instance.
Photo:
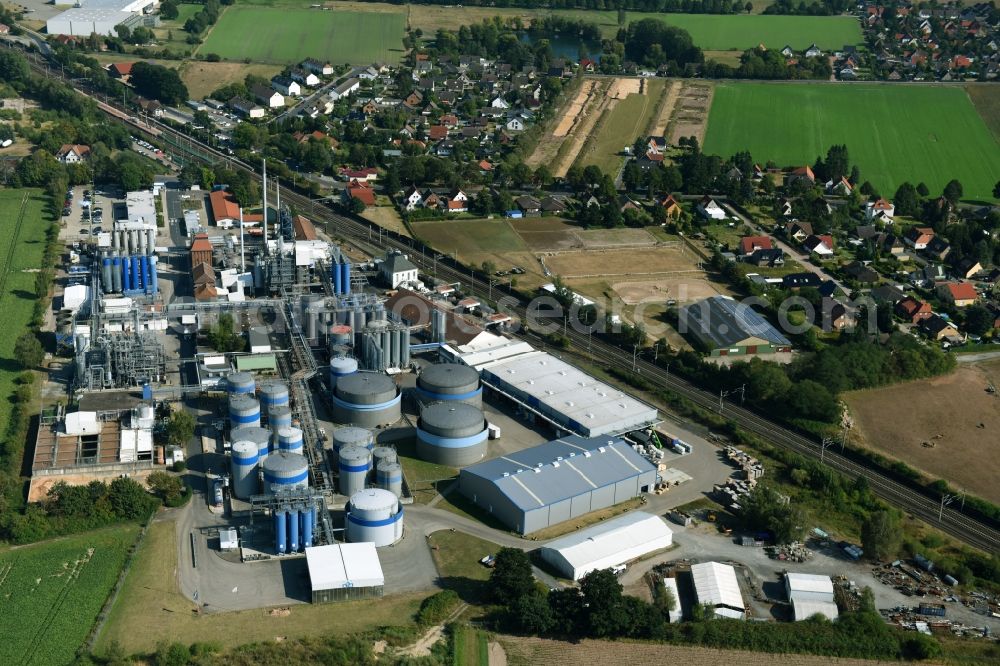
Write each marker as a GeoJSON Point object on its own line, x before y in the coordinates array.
{"type": "Point", "coordinates": [150, 609]}
{"type": "Point", "coordinates": [619, 128]}
{"type": "Point", "coordinates": [894, 133]}
{"type": "Point", "coordinates": [53, 591]}
{"type": "Point", "coordinates": [423, 477]}
{"type": "Point", "coordinates": [23, 222]}
{"type": "Point", "coordinates": [470, 237]}
{"type": "Point", "coordinates": [286, 36]}
{"type": "Point", "coordinates": [456, 556]}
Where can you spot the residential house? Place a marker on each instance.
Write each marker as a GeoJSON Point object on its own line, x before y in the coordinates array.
{"type": "Point", "coordinates": [317, 67]}
{"type": "Point", "coordinates": [71, 153]}
{"type": "Point", "coordinates": [396, 269]}
{"type": "Point", "coordinates": [286, 85]}
{"type": "Point", "coordinates": [968, 267]}
{"type": "Point", "coordinates": [272, 99]}
{"type": "Point", "coordinates": [814, 52]}
{"type": "Point", "coordinates": [798, 231]}
{"type": "Point", "coordinates": [485, 167]}
{"type": "Point", "coordinates": [305, 77]}
{"type": "Point", "coordinates": [918, 237]}
{"type": "Point", "coordinates": [366, 175]}
{"type": "Point", "coordinates": [880, 210]}
{"type": "Point", "coordinates": [841, 187]}
{"type": "Point", "coordinates": [671, 206]}
{"type": "Point", "coordinates": [766, 257]}
{"type": "Point", "coordinates": [514, 125]}
{"type": "Point", "coordinates": [710, 209]}
{"type": "Point", "coordinates": [529, 205]}
{"type": "Point", "coordinates": [938, 248]}
{"type": "Point", "coordinates": [437, 132]}
{"type": "Point", "coordinates": [363, 192]}
{"type": "Point", "coordinates": [750, 244]}
{"type": "Point", "coordinates": [412, 199]}
{"type": "Point", "coordinates": [457, 202]}
{"type": "Point", "coordinates": [887, 293]}
{"type": "Point", "coordinates": [820, 245]}
{"type": "Point", "coordinates": [796, 281]}
{"type": "Point", "coordinates": [860, 272]}
{"type": "Point", "coordinates": [784, 207]}
{"type": "Point", "coordinates": [120, 70]}
{"type": "Point", "coordinates": [246, 108]}
{"type": "Point", "coordinates": [802, 173]}
{"type": "Point", "coordinates": [788, 52]}
{"type": "Point", "coordinates": [836, 316]}
{"type": "Point", "coordinates": [939, 328]}
{"type": "Point", "coordinates": [959, 294]}
{"type": "Point", "coordinates": [913, 311]}
{"type": "Point", "coordinates": [345, 89]}
{"type": "Point", "coordinates": [893, 245]}
{"type": "Point", "coordinates": [553, 205]}
{"type": "Point", "coordinates": [499, 103]}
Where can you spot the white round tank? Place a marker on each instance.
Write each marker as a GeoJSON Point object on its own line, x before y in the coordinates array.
{"type": "Point", "coordinates": [374, 515]}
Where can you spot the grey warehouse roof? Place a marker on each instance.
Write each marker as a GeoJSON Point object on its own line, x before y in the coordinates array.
{"type": "Point", "coordinates": [561, 469]}
{"type": "Point", "coordinates": [723, 322]}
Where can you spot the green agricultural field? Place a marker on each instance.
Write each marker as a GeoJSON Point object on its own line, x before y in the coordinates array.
{"type": "Point", "coordinates": [619, 127]}
{"type": "Point", "coordinates": [52, 592]}
{"type": "Point", "coordinates": [286, 36]}
{"type": "Point", "coordinates": [23, 222]}
{"type": "Point", "coordinates": [894, 133]}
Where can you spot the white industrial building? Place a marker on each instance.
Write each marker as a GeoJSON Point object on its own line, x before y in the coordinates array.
{"type": "Point", "coordinates": [674, 613]}
{"type": "Point", "coordinates": [716, 585]}
{"type": "Point", "coordinates": [396, 269]}
{"type": "Point", "coordinates": [811, 594]}
{"type": "Point", "coordinates": [75, 296]}
{"type": "Point", "coordinates": [343, 571]}
{"type": "Point", "coordinates": [608, 544]}
{"type": "Point", "coordinates": [97, 16]}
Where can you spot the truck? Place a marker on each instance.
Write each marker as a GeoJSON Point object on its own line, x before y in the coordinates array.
{"type": "Point", "coordinates": [928, 608]}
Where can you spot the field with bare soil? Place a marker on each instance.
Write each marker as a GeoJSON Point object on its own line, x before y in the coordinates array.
{"type": "Point", "coordinates": [691, 112]}
{"type": "Point", "coordinates": [948, 427]}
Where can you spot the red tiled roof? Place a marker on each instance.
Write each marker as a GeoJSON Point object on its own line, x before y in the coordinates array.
{"type": "Point", "coordinates": [962, 291]}
{"type": "Point", "coordinates": [224, 206]}
{"type": "Point", "coordinates": [201, 244]}
{"type": "Point", "coordinates": [361, 192]}
{"type": "Point", "coordinates": [750, 243]}
{"type": "Point", "coordinates": [122, 68]}
{"type": "Point", "coordinates": [437, 132]}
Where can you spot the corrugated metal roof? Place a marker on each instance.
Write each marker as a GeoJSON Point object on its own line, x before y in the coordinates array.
{"type": "Point", "coordinates": [716, 584]}
{"type": "Point", "coordinates": [803, 610]}
{"type": "Point", "coordinates": [723, 322]}
{"type": "Point", "coordinates": [803, 582]}
{"type": "Point", "coordinates": [561, 469]}
{"type": "Point", "coordinates": [608, 544]}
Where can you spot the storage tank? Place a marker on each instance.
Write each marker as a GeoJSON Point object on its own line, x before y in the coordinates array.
{"type": "Point", "coordinates": [240, 382]}
{"type": "Point", "coordinates": [144, 269]}
{"type": "Point", "coordinates": [384, 454]}
{"type": "Point", "coordinates": [374, 515]}
{"type": "Point", "coordinates": [351, 436]}
{"type": "Point", "coordinates": [290, 439]}
{"type": "Point", "coordinates": [452, 433]}
{"type": "Point", "coordinates": [154, 284]}
{"type": "Point", "coordinates": [341, 367]}
{"type": "Point", "coordinates": [450, 381]}
{"type": "Point", "coordinates": [244, 410]}
{"type": "Point", "coordinates": [126, 274]}
{"type": "Point", "coordinates": [354, 465]}
{"type": "Point", "coordinates": [107, 282]}
{"type": "Point", "coordinates": [280, 530]}
{"type": "Point", "coordinates": [244, 458]}
{"type": "Point", "coordinates": [293, 530]}
{"type": "Point", "coordinates": [306, 526]}
{"type": "Point", "coordinates": [272, 394]}
{"type": "Point", "coordinates": [366, 399]}
{"type": "Point", "coordinates": [389, 476]}
{"type": "Point", "coordinates": [136, 280]}
{"type": "Point", "coordinates": [116, 273]}
{"type": "Point", "coordinates": [345, 278]}
{"type": "Point", "coordinates": [259, 436]}
{"type": "Point", "coordinates": [284, 470]}
{"type": "Point", "coordinates": [340, 334]}
{"type": "Point", "coordinates": [279, 417]}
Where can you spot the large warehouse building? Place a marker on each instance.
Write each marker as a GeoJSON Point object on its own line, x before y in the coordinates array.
{"type": "Point", "coordinates": [722, 326]}
{"type": "Point", "coordinates": [343, 571]}
{"type": "Point", "coordinates": [810, 594]}
{"type": "Point", "coordinates": [553, 482]}
{"type": "Point", "coordinates": [716, 585]}
{"type": "Point", "coordinates": [608, 544]}
{"type": "Point", "coordinates": [100, 17]}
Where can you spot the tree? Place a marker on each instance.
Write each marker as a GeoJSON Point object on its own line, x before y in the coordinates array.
{"type": "Point", "coordinates": [906, 200]}
{"type": "Point", "coordinates": [978, 319]}
{"type": "Point", "coordinates": [124, 33]}
{"type": "Point", "coordinates": [511, 577]}
{"type": "Point", "coordinates": [953, 191]}
{"type": "Point", "coordinates": [532, 613]}
{"type": "Point", "coordinates": [168, 10]}
{"type": "Point", "coordinates": [180, 428]}
{"type": "Point", "coordinates": [996, 190]}
{"type": "Point", "coordinates": [223, 336]}
{"type": "Point", "coordinates": [28, 351]}
{"type": "Point", "coordinates": [765, 509]}
{"type": "Point", "coordinates": [748, 7]}
{"type": "Point", "coordinates": [158, 82]}
{"type": "Point", "coordinates": [920, 646]}
{"type": "Point", "coordinates": [880, 535]}
{"type": "Point", "coordinates": [128, 499]}
{"type": "Point", "coordinates": [923, 190]}
{"type": "Point", "coordinates": [356, 206]}
{"type": "Point", "coordinates": [167, 487]}
{"type": "Point", "coordinates": [602, 594]}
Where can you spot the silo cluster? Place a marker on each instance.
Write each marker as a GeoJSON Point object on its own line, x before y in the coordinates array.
{"type": "Point", "coordinates": [450, 382]}
{"type": "Point", "coordinates": [366, 399]}
{"type": "Point", "coordinates": [352, 436]}
{"type": "Point", "coordinates": [273, 394]}
{"type": "Point", "coordinates": [290, 439]}
{"type": "Point", "coordinates": [382, 345]}
{"type": "Point", "coordinates": [452, 433]}
{"type": "Point", "coordinates": [284, 470]}
{"type": "Point", "coordinates": [261, 437]}
{"type": "Point", "coordinates": [129, 274]}
{"type": "Point", "coordinates": [294, 526]}
{"type": "Point", "coordinates": [374, 515]}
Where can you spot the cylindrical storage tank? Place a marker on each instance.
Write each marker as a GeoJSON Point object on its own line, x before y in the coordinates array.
{"type": "Point", "coordinates": [279, 417]}
{"type": "Point", "coordinates": [116, 273]}
{"type": "Point", "coordinates": [450, 382]}
{"type": "Point", "coordinates": [351, 436]}
{"type": "Point", "coordinates": [310, 323]}
{"type": "Point", "coordinates": [284, 470]}
{"type": "Point", "coordinates": [244, 458]}
{"type": "Point", "coordinates": [273, 393]}
{"type": "Point", "coordinates": [280, 530]}
{"type": "Point", "coordinates": [136, 280]}
{"type": "Point", "coordinates": [404, 349]}
{"type": "Point", "coordinates": [374, 515]}
{"type": "Point", "coordinates": [244, 410]}
{"type": "Point", "coordinates": [366, 399]}
{"type": "Point", "coordinates": [340, 334]}
{"type": "Point", "coordinates": [144, 266]}
{"type": "Point", "coordinates": [345, 277]}
{"type": "Point", "coordinates": [336, 275]}
{"type": "Point", "coordinates": [290, 439]}
{"type": "Point", "coordinates": [354, 464]}
{"type": "Point", "coordinates": [382, 454]}
{"type": "Point", "coordinates": [305, 527]}
{"type": "Point", "coordinates": [389, 476]}
{"type": "Point", "coordinates": [293, 530]}
{"type": "Point", "coordinates": [133, 241]}
{"type": "Point", "coordinates": [126, 273]}
{"type": "Point", "coordinates": [341, 367]}
{"type": "Point", "coordinates": [154, 283]}
{"type": "Point", "coordinates": [240, 382]}
{"type": "Point", "coordinates": [150, 241]}
{"type": "Point", "coordinates": [107, 282]}
{"type": "Point", "coordinates": [259, 436]}
{"type": "Point", "coordinates": [451, 433]}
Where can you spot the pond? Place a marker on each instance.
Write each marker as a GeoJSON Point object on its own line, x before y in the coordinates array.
{"type": "Point", "coordinates": [567, 46]}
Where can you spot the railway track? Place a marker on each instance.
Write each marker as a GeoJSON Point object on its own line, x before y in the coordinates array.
{"type": "Point", "coordinates": [968, 529]}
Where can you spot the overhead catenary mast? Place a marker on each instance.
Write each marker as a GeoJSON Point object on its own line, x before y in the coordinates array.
{"type": "Point", "coordinates": [265, 205]}
{"type": "Point", "coordinates": [243, 259]}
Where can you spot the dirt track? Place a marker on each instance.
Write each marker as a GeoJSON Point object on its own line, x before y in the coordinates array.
{"type": "Point", "coordinates": [667, 109]}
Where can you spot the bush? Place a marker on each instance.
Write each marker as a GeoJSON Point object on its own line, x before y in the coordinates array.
{"type": "Point", "coordinates": [437, 607]}
{"type": "Point", "coordinates": [180, 466]}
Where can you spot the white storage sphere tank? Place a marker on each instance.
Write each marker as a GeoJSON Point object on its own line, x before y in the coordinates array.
{"type": "Point", "coordinates": [374, 515]}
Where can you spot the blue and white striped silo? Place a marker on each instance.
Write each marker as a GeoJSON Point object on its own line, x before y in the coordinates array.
{"type": "Point", "coordinates": [136, 281]}
{"type": "Point", "coordinates": [244, 468]}
{"type": "Point", "coordinates": [279, 417]}
{"type": "Point", "coordinates": [354, 463]}
{"type": "Point", "coordinates": [240, 382]}
{"type": "Point", "coordinates": [341, 366]}
{"type": "Point", "coordinates": [374, 515]}
{"type": "Point", "coordinates": [273, 394]}
{"type": "Point", "coordinates": [290, 439]}
{"type": "Point", "coordinates": [244, 411]}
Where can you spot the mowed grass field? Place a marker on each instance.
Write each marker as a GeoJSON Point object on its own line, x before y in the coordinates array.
{"type": "Point", "coordinates": [286, 36]}
{"type": "Point", "coordinates": [23, 222]}
{"type": "Point", "coordinates": [620, 126]}
{"type": "Point", "coordinates": [894, 133]}
{"type": "Point", "coordinates": [52, 592]}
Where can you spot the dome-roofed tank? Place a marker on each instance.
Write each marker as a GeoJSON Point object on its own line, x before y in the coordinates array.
{"type": "Point", "coordinates": [260, 436]}
{"type": "Point", "coordinates": [366, 399]}
{"type": "Point", "coordinates": [272, 394]}
{"type": "Point", "coordinates": [240, 382]}
{"type": "Point", "coordinates": [353, 467]}
{"type": "Point", "coordinates": [284, 470]}
{"type": "Point", "coordinates": [374, 515]}
{"type": "Point", "coordinates": [384, 454]}
{"type": "Point", "coordinates": [244, 410]}
{"type": "Point", "coordinates": [451, 433]}
{"type": "Point", "coordinates": [450, 381]}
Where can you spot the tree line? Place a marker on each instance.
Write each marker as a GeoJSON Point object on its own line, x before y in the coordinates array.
{"type": "Point", "coordinates": [658, 6]}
